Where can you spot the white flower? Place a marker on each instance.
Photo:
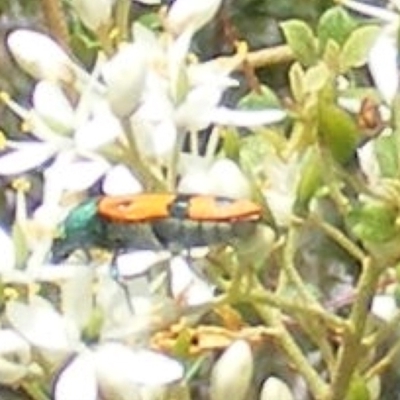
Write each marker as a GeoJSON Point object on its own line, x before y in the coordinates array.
{"type": "Point", "coordinates": [186, 97]}
{"type": "Point", "coordinates": [42, 326]}
{"type": "Point", "coordinates": [116, 371]}
{"type": "Point", "coordinates": [73, 137]}
{"type": "Point", "coordinates": [232, 374]}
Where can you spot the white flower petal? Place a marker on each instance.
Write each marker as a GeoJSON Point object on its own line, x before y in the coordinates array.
{"type": "Point", "coordinates": [195, 182]}
{"type": "Point", "coordinates": [39, 55]}
{"type": "Point", "coordinates": [222, 178]}
{"type": "Point", "coordinates": [41, 325]}
{"type": "Point", "coordinates": [382, 63]}
{"type": "Point", "coordinates": [228, 180]}
{"type": "Point", "coordinates": [15, 356]}
{"type": "Point", "coordinates": [198, 109]}
{"type": "Point", "coordinates": [102, 129]}
{"type": "Point", "coordinates": [232, 373]}
{"type": "Point", "coordinates": [7, 262]}
{"type": "Point", "coordinates": [80, 175]}
{"type": "Point", "coordinates": [77, 380]}
{"type": "Point", "coordinates": [369, 163]}
{"type": "Point", "coordinates": [119, 366]}
{"type": "Point", "coordinates": [27, 157]}
{"type": "Point", "coordinates": [156, 140]}
{"type": "Point", "coordinates": [93, 14]}
{"type": "Point", "coordinates": [372, 11]}
{"type": "Point", "coordinates": [77, 296]}
{"type": "Point", "coordinates": [186, 285]}
{"type": "Point", "coordinates": [227, 116]}
{"type": "Point", "coordinates": [120, 181]}
{"type": "Point", "coordinates": [125, 76]}
{"type": "Point", "coordinates": [53, 106]}
{"type": "Point", "coordinates": [384, 307]}
{"type": "Point", "coordinates": [139, 262]}
{"type": "Point", "coordinates": [191, 15]}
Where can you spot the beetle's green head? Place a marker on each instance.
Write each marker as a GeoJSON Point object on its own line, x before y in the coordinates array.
{"type": "Point", "coordinates": [80, 230]}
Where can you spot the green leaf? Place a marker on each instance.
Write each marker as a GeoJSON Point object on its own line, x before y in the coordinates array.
{"type": "Point", "coordinates": [338, 132]}
{"type": "Point", "coordinates": [355, 50]}
{"type": "Point", "coordinates": [317, 77]}
{"type": "Point", "coordinates": [310, 180]}
{"type": "Point", "coordinates": [301, 40]}
{"type": "Point", "coordinates": [331, 55]}
{"type": "Point", "coordinates": [335, 24]}
{"type": "Point", "coordinates": [386, 153]}
{"type": "Point", "coordinates": [373, 222]}
{"type": "Point", "coordinates": [231, 144]}
{"type": "Point", "coordinates": [297, 84]}
{"type": "Point", "coordinates": [266, 98]}
{"type": "Point", "coordinates": [358, 389]}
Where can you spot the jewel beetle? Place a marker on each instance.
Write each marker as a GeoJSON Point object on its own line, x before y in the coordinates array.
{"type": "Point", "coordinates": [155, 221]}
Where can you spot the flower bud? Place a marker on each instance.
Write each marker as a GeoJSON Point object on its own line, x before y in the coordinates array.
{"type": "Point", "coordinates": [191, 15]}
{"type": "Point", "coordinates": [40, 56]}
{"type": "Point", "coordinates": [125, 76]}
{"type": "Point", "coordinates": [232, 373]}
{"type": "Point", "coordinates": [93, 14]}
{"type": "Point", "coordinates": [274, 388]}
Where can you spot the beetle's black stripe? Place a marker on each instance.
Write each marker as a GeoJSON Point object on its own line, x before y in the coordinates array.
{"type": "Point", "coordinates": [179, 208]}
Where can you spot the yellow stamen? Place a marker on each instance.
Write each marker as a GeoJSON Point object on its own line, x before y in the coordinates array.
{"type": "Point", "coordinates": [242, 48]}
{"type": "Point", "coordinates": [21, 185]}
{"type": "Point", "coordinates": [114, 33]}
{"type": "Point", "coordinates": [3, 141]}
{"type": "Point", "coordinates": [10, 293]}
{"type": "Point", "coordinates": [192, 58]}
{"type": "Point", "coordinates": [5, 97]}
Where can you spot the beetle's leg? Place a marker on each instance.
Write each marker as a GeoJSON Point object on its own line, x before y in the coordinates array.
{"type": "Point", "coordinates": [120, 281]}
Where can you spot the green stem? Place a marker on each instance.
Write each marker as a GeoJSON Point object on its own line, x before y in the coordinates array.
{"type": "Point", "coordinates": [340, 238]}
{"type": "Point", "coordinates": [385, 362]}
{"type": "Point", "coordinates": [295, 307]}
{"type": "Point", "coordinates": [273, 318]}
{"type": "Point", "coordinates": [290, 270]}
{"type": "Point", "coordinates": [122, 18]}
{"type": "Point", "coordinates": [352, 347]}
{"type": "Point", "coordinates": [146, 177]}
{"type": "Point", "coordinates": [387, 330]}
